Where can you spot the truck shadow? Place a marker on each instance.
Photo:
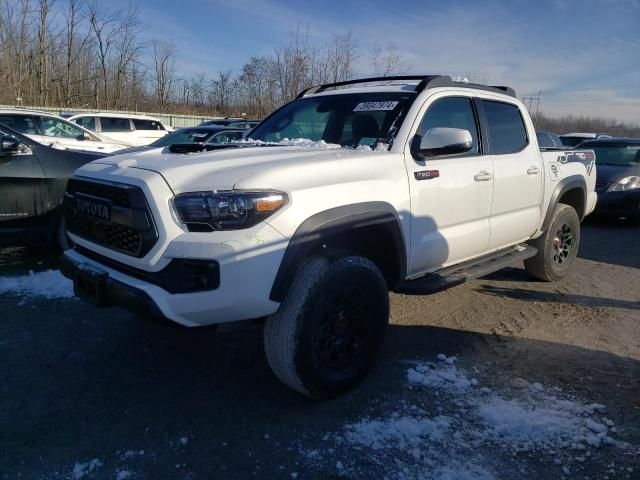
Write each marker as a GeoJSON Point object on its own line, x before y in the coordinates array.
{"type": "Point", "coordinates": [90, 389]}
{"type": "Point", "coordinates": [537, 296]}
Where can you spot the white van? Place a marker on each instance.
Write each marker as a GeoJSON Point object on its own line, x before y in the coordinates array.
{"type": "Point", "coordinates": [135, 130]}
{"type": "Point", "coordinates": [55, 131]}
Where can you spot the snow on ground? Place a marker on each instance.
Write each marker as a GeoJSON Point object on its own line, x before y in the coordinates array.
{"type": "Point", "coordinates": [472, 433]}
{"type": "Point", "coordinates": [49, 284]}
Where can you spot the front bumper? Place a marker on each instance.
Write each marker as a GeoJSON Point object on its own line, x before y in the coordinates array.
{"type": "Point", "coordinates": [618, 204]}
{"type": "Point", "coordinates": [245, 270]}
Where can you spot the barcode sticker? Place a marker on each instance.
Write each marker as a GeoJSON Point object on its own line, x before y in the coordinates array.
{"type": "Point", "coordinates": [375, 106]}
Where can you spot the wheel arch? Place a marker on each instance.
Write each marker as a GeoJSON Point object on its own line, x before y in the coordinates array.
{"type": "Point", "coordinates": [369, 229]}
{"type": "Point", "coordinates": [570, 191]}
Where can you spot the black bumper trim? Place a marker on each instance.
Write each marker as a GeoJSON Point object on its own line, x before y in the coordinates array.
{"type": "Point", "coordinates": [179, 276]}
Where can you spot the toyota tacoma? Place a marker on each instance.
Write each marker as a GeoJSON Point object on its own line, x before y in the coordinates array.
{"type": "Point", "coordinates": [409, 184]}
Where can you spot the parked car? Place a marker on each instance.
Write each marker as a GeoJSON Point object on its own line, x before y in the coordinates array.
{"type": "Point", "coordinates": [618, 180]}
{"type": "Point", "coordinates": [574, 139]}
{"type": "Point", "coordinates": [245, 124]}
{"type": "Point", "coordinates": [200, 135]}
{"type": "Point", "coordinates": [402, 186]}
{"type": "Point", "coordinates": [50, 129]}
{"type": "Point", "coordinates": [135, 130]}
{"type": "Point", "coordinates": [220, 122]}
{"type": "Point", "coordinates": [549, 139]}
{"type": "Point", "coordinates": [33, 178]}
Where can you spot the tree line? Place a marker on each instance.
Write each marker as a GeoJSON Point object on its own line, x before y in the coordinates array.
{"type": "Point", "coordinates": [74, 53]}
{"type": "Point", "coordinates": [573, 123]}
{"type": "Point", "coordinates": [85, 54]}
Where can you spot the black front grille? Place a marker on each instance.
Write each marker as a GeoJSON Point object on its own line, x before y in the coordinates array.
{"type": "Point", "coordinates": [116, 194]}
{"type": "Point", "coordinates": [130, 228]}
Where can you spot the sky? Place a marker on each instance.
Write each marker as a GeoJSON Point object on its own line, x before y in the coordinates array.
{"type": "Point", "coordinates": [584, 55]}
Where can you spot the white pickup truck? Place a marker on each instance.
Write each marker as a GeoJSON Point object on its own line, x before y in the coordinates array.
{"type": "Point", "coordinates": [352, 190]}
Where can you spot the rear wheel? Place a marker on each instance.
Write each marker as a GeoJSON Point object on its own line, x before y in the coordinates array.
{"type": "Point", "coordinates": [330, 327]}
{"type": "Point", "coordinates": [557, 247]}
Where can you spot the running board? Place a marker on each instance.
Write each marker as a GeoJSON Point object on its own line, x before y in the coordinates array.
{"type": "Point", "coordinates": [458, 274]}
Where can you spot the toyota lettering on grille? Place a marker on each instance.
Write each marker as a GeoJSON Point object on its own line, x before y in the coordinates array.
{"type": "Point", "coordinates": [93, 208]}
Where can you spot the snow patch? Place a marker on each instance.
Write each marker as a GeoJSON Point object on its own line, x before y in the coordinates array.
{"type": "Point", "coordinates": [402, 432]}
{"type": "Point", "coordinates": [49, 284]}
{"type": "Point", "coordinates": [452, 427]}
{"type": "Point", "coordinates": [81, 470]}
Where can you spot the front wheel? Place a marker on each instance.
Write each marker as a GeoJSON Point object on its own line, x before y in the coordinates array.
{"type": "Point", "coordinates": [557, 246]}
{"type": "Point", "coordinates": [330, 327]}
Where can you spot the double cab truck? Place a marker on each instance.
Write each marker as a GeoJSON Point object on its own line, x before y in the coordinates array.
{"type": "Point", "coordinates": [354, 189]}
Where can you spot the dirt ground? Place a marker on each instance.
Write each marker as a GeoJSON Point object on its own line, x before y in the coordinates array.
{"type": "Point", "coordinates": [88, 393]}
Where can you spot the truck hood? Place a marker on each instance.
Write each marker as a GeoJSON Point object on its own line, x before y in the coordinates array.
{"type": "Point", "coordinates": [224, 169]}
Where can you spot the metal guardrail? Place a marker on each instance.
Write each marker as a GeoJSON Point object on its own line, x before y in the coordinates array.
{"type": "Point", "coordinates": [175, 120]}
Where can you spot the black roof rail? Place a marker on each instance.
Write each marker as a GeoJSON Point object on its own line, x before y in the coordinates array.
{"type": "Point", "coordinates": [426, 81]}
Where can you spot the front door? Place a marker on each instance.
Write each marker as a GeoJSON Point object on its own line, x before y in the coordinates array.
{"type": "Point", "coordinates": [450, 195]}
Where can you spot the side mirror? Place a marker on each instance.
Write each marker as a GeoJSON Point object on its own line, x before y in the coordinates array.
{"type": "Point", "coordinates": [441, 141]}
{"type": "Point", "coordinates": [9, 145]}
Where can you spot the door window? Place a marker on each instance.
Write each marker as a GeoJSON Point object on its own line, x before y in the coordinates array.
{"type": "Point", "coordinates": [53, 127]}
{"type": "Point", "coordinates": [20, 123]}
{"type": "Point", "coordinates": [87, 122]}
{"type": "Point", "coordinates": [147, 124]}
{"type": "Point", "coordinates": [109, 124]}
{"type": "Point", "coordinates": [452, 112]}
{"type": "Point", "coordinates": [507, 133]}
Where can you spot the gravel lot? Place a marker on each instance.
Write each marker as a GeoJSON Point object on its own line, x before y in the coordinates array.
{"type": "Point", "coordinates": [545, 384]}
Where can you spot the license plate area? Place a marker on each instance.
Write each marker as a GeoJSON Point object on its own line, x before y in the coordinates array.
{"type": "Point", "coordinates": [90, 284]}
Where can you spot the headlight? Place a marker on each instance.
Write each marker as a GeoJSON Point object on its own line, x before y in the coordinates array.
{"type": "Point", "coordinates": [629, 183]}
{"type": "Point", "coordinates": [231, 210]}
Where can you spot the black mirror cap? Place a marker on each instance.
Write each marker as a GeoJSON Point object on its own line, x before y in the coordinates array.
{"type": "Point", "coordinates": [9, 145]}
{"type": "Point", "coordinates": [419, 154]}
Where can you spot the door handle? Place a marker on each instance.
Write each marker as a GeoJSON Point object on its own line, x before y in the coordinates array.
{"type": "Point", "coordinates": [533, 170]}
{"type": "Point", "coordinates": [483, 176]}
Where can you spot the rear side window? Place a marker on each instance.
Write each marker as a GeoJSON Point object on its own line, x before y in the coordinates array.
{"type": "Point", "coordinates": [108, 124]}
{"type": "Point", "coordinates": [451, 112]}
{"type": "Point", "coordinates": [147, 124]}
{"type": "Point", "coordinates": [20, 123]}
{"type": "Point", "coordinates": [87, 122]}
{"type": "Point", "coordinates": [507, 133]}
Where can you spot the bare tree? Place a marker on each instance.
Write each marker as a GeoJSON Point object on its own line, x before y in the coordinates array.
{"type": "Point", "coordinates": [388, 60]}
{"type": "Point", "coordinates": [164, 70]}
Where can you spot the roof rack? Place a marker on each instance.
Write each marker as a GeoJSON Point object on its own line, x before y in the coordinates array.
{"type": "Point", "coordinates": [426, 81]}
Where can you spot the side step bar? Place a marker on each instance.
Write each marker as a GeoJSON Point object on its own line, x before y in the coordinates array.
{"type": "Point", "coordinates": [458, 274]}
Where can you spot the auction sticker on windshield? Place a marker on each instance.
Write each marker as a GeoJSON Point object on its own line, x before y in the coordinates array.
{"type": "Point", "coordinates": [375, 106]}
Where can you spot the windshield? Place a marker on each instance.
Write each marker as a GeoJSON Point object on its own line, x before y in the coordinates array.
{"type": "Point", "coordinates": [350, 120]}
{"type": "Point", "coordinates": [187, 135]}
{"type": "Point", "coordinates": [622, 155]}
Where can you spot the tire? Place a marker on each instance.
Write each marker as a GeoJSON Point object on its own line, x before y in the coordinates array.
{"type": "Point", "coordinates": [330, 327]}
{"type": "Point", "coordinates": [557, 246]}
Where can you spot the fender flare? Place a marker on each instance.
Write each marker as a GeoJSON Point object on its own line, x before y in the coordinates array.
{"type": "Point", "coordinates": [570, 183]}
{"type": "Point", "coordinates": [331, 222]}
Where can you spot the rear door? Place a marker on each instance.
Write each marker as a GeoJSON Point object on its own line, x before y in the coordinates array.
{"type": "Point", "coordinates": [450, 195]}
{"type": "Point", "coordinates": [118, 129]}
{"type": "Point", "coordinates": [148, 131]}
{"type": "Point", "coordinates": [517, 172]}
